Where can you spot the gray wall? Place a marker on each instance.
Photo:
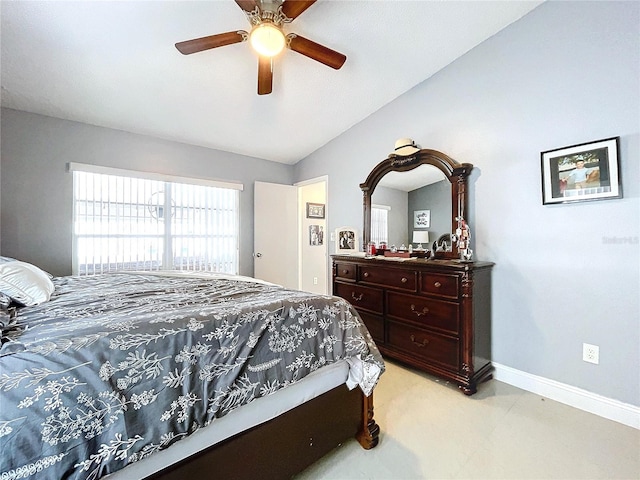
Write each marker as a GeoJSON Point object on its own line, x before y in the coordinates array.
{"type": "Point", "coordinates": [436, 198]}
{"type": "Point", "coordinates": [567, 73]}
{"type": "Point", "coordinates": [36, 190]}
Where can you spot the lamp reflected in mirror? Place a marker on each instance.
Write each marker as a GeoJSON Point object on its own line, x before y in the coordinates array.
{"type": "Point", "coordinates": [420, 237]}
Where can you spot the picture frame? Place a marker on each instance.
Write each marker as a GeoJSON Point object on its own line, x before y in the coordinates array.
{"type": "Point", "coordinates": [577, 173]}
{"type": "Point", "coordinates": [316, 235]}
{"type": "Point", "coordinates": [421, 218]}
{"type": "Point", "coordinates": [346, 239]}
{"type": "Point", "coordinates": [315, 210]}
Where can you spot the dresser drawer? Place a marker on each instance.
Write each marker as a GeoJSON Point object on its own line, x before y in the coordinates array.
{"type": "Point", "coordinates": [428, 346]}
{"type": "Point", "coordinates": [374, 324]}
{"type": "Point", "coordinates": [433, 313]}
{"type": "Point", "coordinates": [389, 277]}
{"type": "Point", "coordinates": [361, 297]}
{"type": "Point", "coordinates": [345, 271]}
{"type": "Point", "coordinates": [439, 284]}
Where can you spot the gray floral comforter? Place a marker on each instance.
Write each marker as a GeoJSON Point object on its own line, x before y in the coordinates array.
{"type": "Point", "coordinates": [118, 366]}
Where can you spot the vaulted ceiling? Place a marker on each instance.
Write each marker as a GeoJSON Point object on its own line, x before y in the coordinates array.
{"type": "Point", "coordinates": [114, 64]}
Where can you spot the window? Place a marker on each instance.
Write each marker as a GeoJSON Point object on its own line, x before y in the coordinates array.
{"type": "Point", "coordinates": [379, 223]}
{"type": "Point", "coordinates": [124, 222]}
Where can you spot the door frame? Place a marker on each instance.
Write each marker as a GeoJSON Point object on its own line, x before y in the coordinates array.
{"type": "Point", "coordinates": [327, 235]}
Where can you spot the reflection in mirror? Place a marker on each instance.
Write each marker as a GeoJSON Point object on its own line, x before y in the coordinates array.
{"type": "Point", "coordinates": [443, 243]}
{"type": "Point", "coordinates": [401, 194]}
{"type": "Point", "coordinates": [415, 166]}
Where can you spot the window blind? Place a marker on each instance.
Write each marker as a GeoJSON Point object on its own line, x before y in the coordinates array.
{"type": "Point", "coordinates": [379, 223]}
{"type": "Point", "coordinates": [133, 223]}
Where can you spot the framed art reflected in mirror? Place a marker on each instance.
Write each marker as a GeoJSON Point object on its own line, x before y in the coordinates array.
{"type": "Point", "coordinates": [421, 218]}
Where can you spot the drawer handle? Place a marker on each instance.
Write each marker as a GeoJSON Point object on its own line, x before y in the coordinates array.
{"type": "Point", "coordinates": [437, 284]}
{"type": "Point", "coordinates": [404, 280]}
{"type": "Point", "coordinates": [345, 271]}
{"type": "Point", "coordinates": [358, 298]}
{"type": "Point", "coordinates": [365, 274]}
{"type": "Point", "coordinates": [424, 311]}
{"type": "Point", "coordinates": [422, 344]}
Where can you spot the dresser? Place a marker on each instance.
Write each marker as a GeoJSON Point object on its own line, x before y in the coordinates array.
{"type": "Point", "coordinates": [434, 315]}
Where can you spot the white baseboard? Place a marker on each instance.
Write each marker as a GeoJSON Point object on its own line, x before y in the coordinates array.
{"type": "Point", "coordinates": [589, 402]}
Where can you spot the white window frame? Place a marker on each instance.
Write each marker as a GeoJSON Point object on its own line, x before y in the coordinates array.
{"type": "Point", "coordinates": [375, 237]}
{"type": "Point", "coordinates": [168, 237]}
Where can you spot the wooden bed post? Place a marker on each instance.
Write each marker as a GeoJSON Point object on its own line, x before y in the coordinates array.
{"type": "Point", "coordinates": [369, 431]}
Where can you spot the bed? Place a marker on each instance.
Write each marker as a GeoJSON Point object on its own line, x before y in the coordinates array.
{"type": "Point", "coordinates": [174, 375]}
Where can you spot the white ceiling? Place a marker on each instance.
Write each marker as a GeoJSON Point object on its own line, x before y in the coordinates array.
{"type": "Point", "coordinates": [114, 64]}
{"type": "Point", "coordinates": [420, 176]}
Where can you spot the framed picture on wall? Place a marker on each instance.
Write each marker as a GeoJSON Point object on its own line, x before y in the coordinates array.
{"type": "Point", "coordinates": [316, 235]}
{"type": "Point", "coordinates": [315, 210]}
{"type": "Point", "coordinates": [346, 240]}
{"type": "Point", "coordinates": [588, 171]}
{"type": "Point", "coordinates": [421, 218]}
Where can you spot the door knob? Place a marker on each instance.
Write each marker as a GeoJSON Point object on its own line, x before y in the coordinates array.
{"type": "Point", "coordinates": [257, 255]}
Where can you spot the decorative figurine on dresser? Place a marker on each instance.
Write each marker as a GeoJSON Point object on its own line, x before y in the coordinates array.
{"type": "Point", "coordinates": [431, 310]}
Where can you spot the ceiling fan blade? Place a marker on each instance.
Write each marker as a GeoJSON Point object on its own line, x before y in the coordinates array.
{"type": "Point", "coordinates": [247, 5]}
{"type": "Point", "coordinates": [265, 75]}
{"type": "Point", "coordinates": [293, 8]}
{"type": "Point", "coordinates": [316, 51]}
{"type": "Point", "coordinates": [213, 41]}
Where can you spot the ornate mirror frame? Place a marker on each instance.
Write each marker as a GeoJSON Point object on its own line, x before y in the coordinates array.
{"type": "Point", "coordinates": [456, 173]}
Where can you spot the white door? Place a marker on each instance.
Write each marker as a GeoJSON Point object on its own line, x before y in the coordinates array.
{"type": "Point", "coordinates": [275, 229]}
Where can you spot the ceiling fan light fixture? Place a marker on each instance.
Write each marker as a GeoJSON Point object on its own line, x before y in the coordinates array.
{"type": "Point", "coordinates": [267, 39]}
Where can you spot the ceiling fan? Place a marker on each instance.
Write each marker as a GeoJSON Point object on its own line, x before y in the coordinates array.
{"type": "Point", "coordinates": [267, 37]}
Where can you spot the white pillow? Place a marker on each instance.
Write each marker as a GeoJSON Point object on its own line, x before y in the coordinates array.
{"type": "Point", "coordinates": [25, 283]}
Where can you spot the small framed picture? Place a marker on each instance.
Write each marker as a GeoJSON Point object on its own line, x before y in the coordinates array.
{"type": "Point", "coordinates": [346, 240]}
{"type": "Point", "coordinates": [316, 235]}
{"type": "Point", "coordinates": [421, 218]}
{"type": "Point", "coordinates": [588, 171]}
{"type": "Point", "coordinates": [315, 210]}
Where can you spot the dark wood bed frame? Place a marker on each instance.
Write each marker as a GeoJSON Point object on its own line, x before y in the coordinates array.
{"type": "Point", "coordinates": [287, 444]}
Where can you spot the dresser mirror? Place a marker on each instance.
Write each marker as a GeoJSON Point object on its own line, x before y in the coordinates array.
{"type": "Point", "coordinates": [425, 180]}
{"type": "Point", "coordinates": [404, 194]}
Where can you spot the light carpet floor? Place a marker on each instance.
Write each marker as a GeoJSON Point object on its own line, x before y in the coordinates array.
{"type": "Point", "coordinates": [430, 430]}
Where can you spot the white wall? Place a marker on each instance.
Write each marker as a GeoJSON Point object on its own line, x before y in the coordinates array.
{"type": "Point", "coordinates": [435, 197]}
{"type": "Point", "coordinates": [567, 73]}
{"type": "Point", "coordinates": [313, 258]}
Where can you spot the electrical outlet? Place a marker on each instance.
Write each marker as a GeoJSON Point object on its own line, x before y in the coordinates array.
{"type": "Point", "coordinates": [315, 280]}
{"type": "Point", "coordinates": [591, 353]}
